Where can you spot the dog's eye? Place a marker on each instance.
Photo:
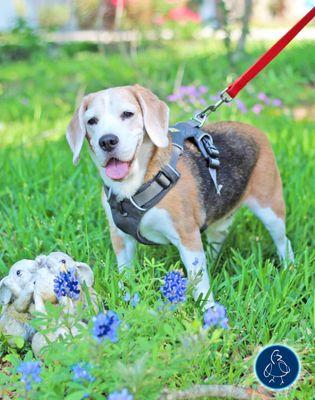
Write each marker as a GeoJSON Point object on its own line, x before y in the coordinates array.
{"type": "Point", "coordinates": [19, 272]}
{"type": "Point", "coordinates": [126, 114]}
{"type": "Point", "coordinates": [92, 121]}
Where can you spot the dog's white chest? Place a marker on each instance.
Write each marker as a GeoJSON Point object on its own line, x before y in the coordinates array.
{"type": "Point", "coordinates": [157, 226]}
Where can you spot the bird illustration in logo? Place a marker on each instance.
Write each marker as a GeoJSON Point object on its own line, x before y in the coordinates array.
{"type": "Point", "coordinates": [277, 368]}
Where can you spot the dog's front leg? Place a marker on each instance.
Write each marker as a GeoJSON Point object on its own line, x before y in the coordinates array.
{"type": "Point", "coordinates": [194, 258]}
{"type": "Point", "coordinates": [124, 247]}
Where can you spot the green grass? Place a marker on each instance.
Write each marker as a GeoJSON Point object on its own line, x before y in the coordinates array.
{"type": "Point", "coordinates": [47, 204]}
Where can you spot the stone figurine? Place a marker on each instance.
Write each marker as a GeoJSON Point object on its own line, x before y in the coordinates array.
{"type": "Point", "coordinates": [55, 278]}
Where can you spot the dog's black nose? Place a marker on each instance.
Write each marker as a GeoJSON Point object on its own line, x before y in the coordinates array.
{"type": "Point", "coordinates": [108, 142]}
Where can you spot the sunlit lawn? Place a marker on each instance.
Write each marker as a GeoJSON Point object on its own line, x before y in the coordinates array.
{"type": "Point", "coordinates": [47, 204]}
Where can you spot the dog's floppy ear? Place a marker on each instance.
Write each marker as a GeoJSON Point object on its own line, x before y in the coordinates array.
{"type": "Point", "coordinates": [76, 131]}
{"type": "Point", "coordinates": [155, 115]}
{"type": "Point", "coordinates": [5, 293]}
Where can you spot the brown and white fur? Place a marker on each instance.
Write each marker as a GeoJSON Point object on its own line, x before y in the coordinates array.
{"type": "Point", "coordinates": [248, 173]}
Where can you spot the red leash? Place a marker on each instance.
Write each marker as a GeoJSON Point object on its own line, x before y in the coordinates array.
{"type": "Point", "coordinates": [232, 90]}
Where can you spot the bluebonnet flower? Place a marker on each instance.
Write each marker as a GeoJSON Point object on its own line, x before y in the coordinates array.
{"type": "Point", "coordinates": [66, 284]}
{"type": "Point", "coordinates": [123, 395]}
{"type": "Point", "coordinates": [127, 297]}
{"type": "Point", "coordinates": [105, 326]}
{"type": "Point", "coordinates": [196, 261]}
{"type": "Point", "coordinates": [30, 371]}
{"type": "Point", "coordinates": [81, 372]}
{"type": "Point", "coordinates": [174, 288]}
{"type": "Point", "coordinates": [257, 108]}
{"type": "Point", "coordinates": [215, 316]}
{"type": "Point", "coordinates": [134, 300]}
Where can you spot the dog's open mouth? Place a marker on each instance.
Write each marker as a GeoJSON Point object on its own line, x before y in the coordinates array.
{"type": "Point", "coordinates": [116, 169]}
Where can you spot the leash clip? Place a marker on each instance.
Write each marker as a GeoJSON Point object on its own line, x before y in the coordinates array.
{"type": "Point", "coordinates": [202, 116]}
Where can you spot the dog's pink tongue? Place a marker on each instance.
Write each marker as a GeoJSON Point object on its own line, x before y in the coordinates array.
{"type": "Point", "coordinates": [116, 169]}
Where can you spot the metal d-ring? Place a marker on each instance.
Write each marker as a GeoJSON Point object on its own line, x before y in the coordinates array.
{"type": "Point", "coordinates": [202, 116]}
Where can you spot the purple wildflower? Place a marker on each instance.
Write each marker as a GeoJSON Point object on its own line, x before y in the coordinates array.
{"type": "Point", "coordinates": [105, 326]}
{"type": "Point", "coordinates": [215, 316]}
{"type": "Point", "coordinates": [202, 89]}
{"type": "Point", "coordinates": [188, 93]}
{"type": "Point", "coordinates": [241, 106]}
{"type": "Point", "coordinates": [173, 97]}
{"type": "Point", "coordinates": [30, 371]}
{"type": "Point", "coordinates": [66, 284]}
{"type": "Point", "coordinates": [257, 108]}
{"type": "Point", "coordinates": [188, 90]}
{"type": "Point", "coordinates": [174, 288]}
{"type": "Point", "coordinates": [215, 98]}
{"type": "Point", "coordinates": [263, 97]}
{"type": "Point", "coordinates": [277, 102]}
{"type": "Point", "coordinates": [123, 395]}
{"type": "Point", "coordinates": [81, 372]}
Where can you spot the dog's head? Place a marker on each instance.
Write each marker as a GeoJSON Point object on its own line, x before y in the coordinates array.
{"type": "Point", "coordinates": [117, 123]}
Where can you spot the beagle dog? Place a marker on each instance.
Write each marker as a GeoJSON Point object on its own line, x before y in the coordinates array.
{"type": "Point", "coordinates": [129, 141]}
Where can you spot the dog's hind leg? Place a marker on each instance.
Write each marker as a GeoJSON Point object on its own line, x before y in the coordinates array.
{"type": "Point", "coordinates": [264, 197]}
{"type": "Point", "coordinates": [217, 232]}
{"type": "Point", "coordinates": [276, 227]}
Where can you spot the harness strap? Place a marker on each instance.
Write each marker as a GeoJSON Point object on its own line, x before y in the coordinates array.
{"type": "Point", "coordinates": [149, 195]}
{"type": "Point", "coordinates": [127, 213]}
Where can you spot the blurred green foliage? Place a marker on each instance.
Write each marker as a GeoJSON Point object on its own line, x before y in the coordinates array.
{"type": "Point", "coordinates": [53, 16]}
{"type": "Point", "coordinates": [22, 42]}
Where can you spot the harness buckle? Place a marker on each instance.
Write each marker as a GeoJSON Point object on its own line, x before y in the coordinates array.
{"type": "Point", "coordinates": [163, 180]}
{"type": "Point", "coordinates": [208, 149]}
{"type": "Point", "coordinates": [132, 200]}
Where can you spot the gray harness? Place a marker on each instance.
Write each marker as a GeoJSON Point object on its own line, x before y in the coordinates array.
{"type": "Point", "coordinates": [127, 213]}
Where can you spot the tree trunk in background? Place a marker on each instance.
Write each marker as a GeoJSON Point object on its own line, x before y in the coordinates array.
{"type": "Point", "coordinates": [248, 10]}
